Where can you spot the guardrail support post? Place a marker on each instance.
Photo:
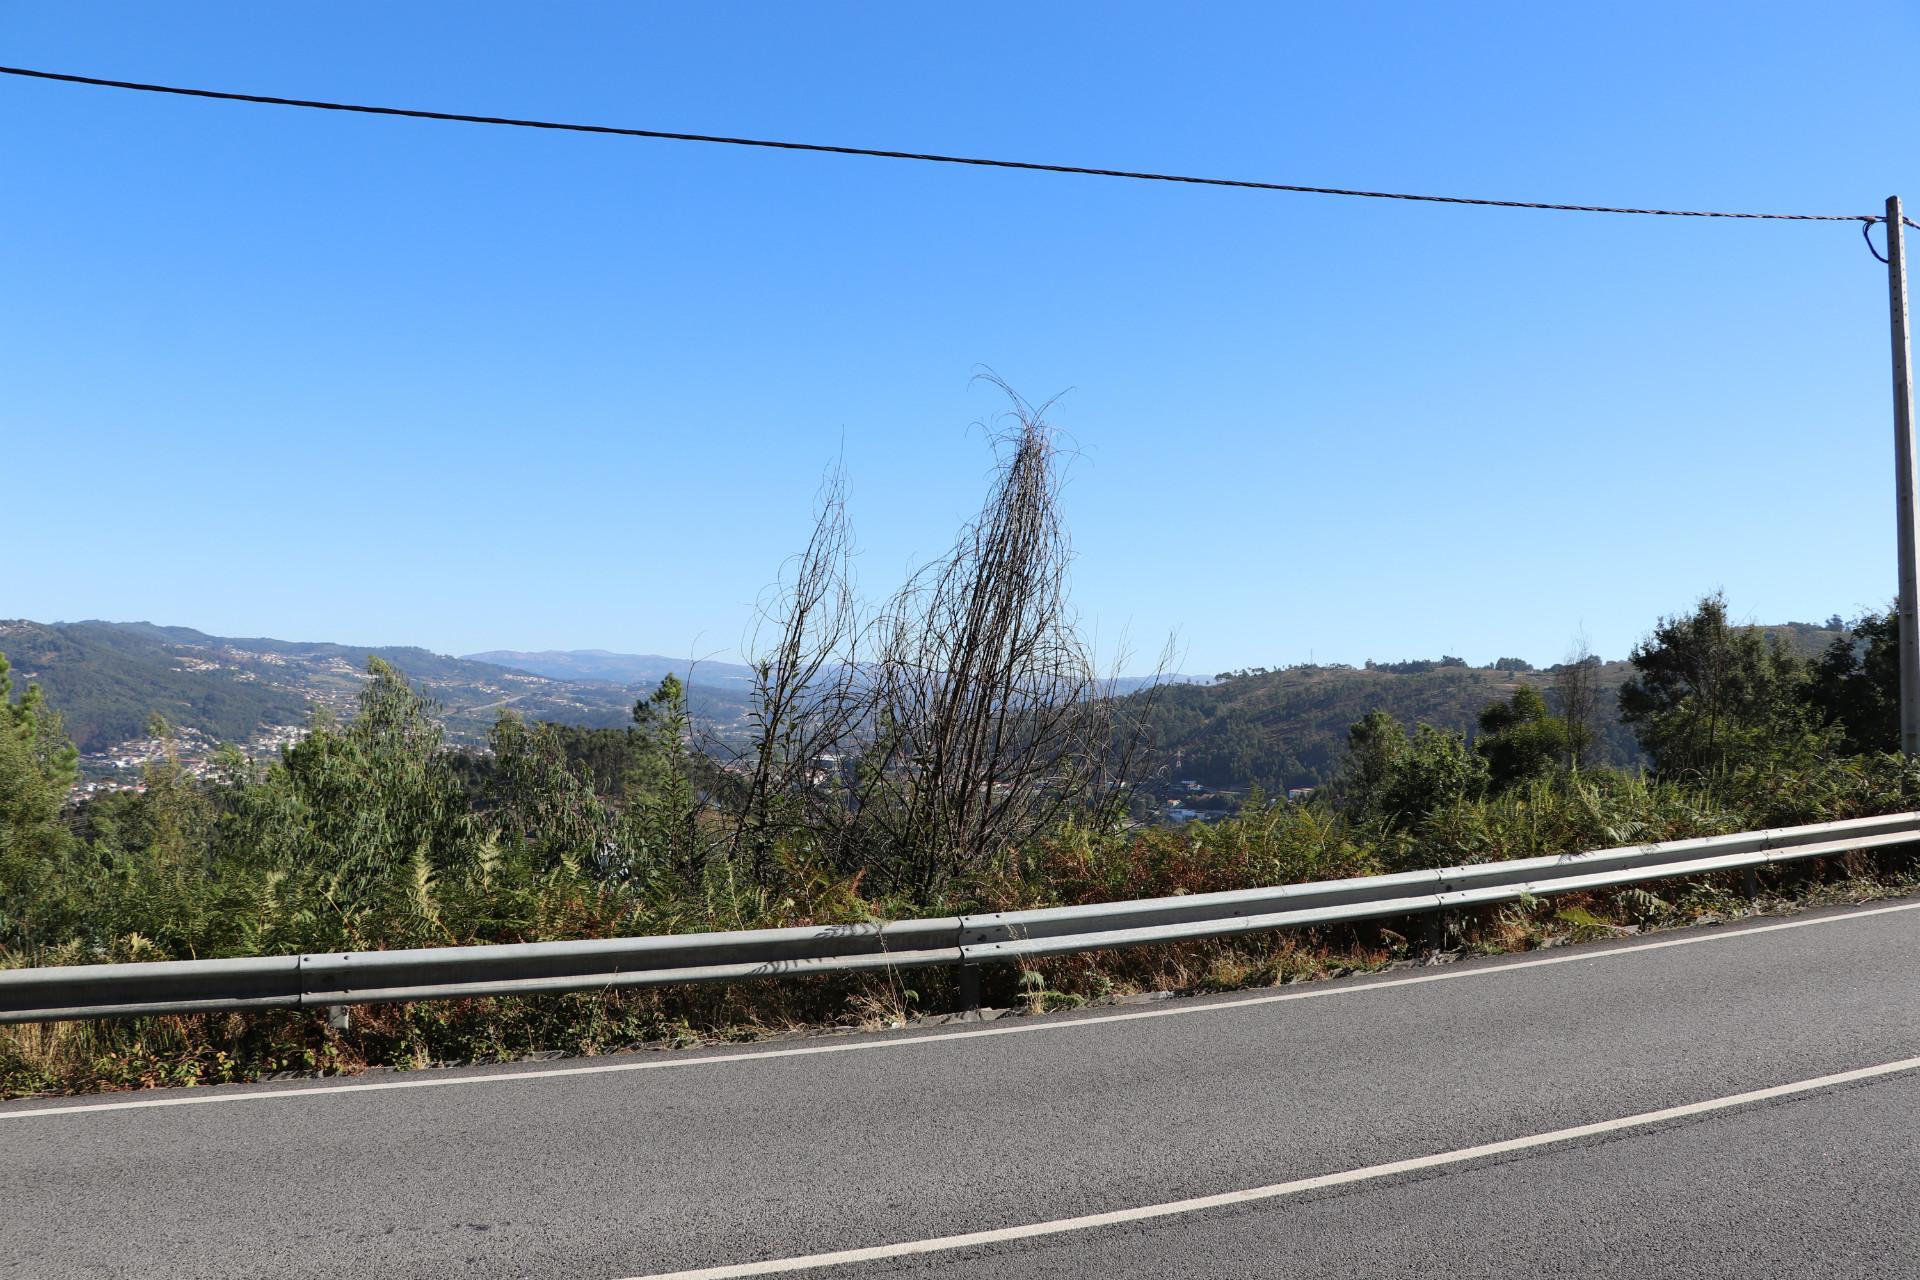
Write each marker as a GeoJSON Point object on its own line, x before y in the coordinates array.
{"type": "Point", "coordinates": [1750, 883]}
{"type": "Point", "coordinates": [339, 1016]}
{"type": "Point", "coordinates": [969, 994]}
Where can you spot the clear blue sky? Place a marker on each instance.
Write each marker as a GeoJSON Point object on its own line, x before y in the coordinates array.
{"type": "Point", "coordinates": [323, 377]}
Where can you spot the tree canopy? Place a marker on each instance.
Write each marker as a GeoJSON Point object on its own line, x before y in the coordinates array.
{"type": "Point", "coordinates": [1709, 695]}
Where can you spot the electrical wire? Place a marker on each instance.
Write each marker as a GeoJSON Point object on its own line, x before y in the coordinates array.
{"type": "Point", "coordinates": [927, 157]}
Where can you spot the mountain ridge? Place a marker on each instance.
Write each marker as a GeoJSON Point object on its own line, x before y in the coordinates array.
{"type": "Point", "coordinates": [617, 668]}
{"type": "Point", "coordinates": [107, 679]}
{"type": "Point", "coordinates": [1278, 728]}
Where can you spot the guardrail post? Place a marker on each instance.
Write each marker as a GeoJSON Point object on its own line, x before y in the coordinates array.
{"type": "Point", "coordinates": [1750, 883]}
{"type": "Point", "coordinates": [969, 995]}
{"type": "Point", "coordinates": [339, 1016]}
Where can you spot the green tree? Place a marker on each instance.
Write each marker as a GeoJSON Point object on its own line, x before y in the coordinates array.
{"type": "Point", "coordinates": [179, 816]}
{"type": "Point", "coordinates": [1520, 738]}
{"type": "Point", "coordinates": [37, 767]}
{"type": "Point", "coordinates": [1855, 685]}
{"type": "Point", "coordinates": [373, 815]}
{"type": "Point", "coordinates": [662, 805]}
{"type": "Point", "coordinates": [1396, 780]}
{"type": "Point", "coordinates": [1376, 751]}
{"type": "Point", "coordinates": [541, 801]}
{"type": "Point", "coordinates": [1707, 695]}
{"type": "Point", "coordinates": [160, 873]}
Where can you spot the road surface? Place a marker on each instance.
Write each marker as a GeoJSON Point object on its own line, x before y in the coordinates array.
{"type": "Point", "coordinates": [1332, 1129]}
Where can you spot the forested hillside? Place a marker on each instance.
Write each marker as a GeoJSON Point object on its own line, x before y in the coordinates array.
{"type": "Point", "coordinates": [110, 679]}
{"type": "Point", "coordinates": [1278, 729]}
{"type": "Point", "coordinates": [1288, 727]}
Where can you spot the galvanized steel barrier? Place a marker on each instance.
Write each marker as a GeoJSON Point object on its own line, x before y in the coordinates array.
{"type": "Point", "coordinates": [337, 979]}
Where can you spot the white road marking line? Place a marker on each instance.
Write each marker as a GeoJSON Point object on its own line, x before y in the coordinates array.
{"type": "Point", "coordinates": [1570, 956]}
{"type": "Point", "coordinates": [1225, 1199]}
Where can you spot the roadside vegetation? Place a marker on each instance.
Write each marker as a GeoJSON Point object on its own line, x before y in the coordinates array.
{"type": "Point", "coordinates": [948, 749]}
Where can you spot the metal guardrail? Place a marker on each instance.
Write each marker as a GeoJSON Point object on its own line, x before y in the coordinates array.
{"type": "Point", "coordinates": [337, 979]}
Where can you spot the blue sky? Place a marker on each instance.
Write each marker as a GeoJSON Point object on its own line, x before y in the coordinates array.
{"type": "Point", "coordinates": [323, 377]}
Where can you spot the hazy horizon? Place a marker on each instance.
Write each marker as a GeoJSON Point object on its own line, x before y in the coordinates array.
{"type": "Point", "coordinates": [733, 657]}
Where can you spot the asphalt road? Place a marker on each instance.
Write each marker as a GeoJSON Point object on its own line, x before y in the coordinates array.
{"type": "Point", "coordinates": [655, 1163]}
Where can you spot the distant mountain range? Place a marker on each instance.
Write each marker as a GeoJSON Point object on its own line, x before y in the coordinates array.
{"type": "Point", "coordinates": [618, 668]}
{"type": "Point", "coordinates": [1278, 728]}
{"type": "Point", "coordinates": [108, 679]}
{"type": "Point", "coordinates": [650, 668]}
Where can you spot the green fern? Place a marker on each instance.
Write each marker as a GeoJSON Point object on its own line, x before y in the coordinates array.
{"type": "Point", "coordinates": [1585, 925]}
{"type": "Point", "coordinates": [1644, 903]}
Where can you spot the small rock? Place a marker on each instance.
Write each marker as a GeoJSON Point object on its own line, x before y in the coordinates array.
{"type": "Point", "coordinates": [965, 1015]}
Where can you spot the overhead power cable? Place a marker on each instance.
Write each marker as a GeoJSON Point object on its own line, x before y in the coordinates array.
{"type": "Point", "coordinates": [927, 157]}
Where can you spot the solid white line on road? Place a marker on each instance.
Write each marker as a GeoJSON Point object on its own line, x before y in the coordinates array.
{"type": "Point", "coordinates": [1312, 992]}
{"type": "Point", "coordinates": [1227, 1199]}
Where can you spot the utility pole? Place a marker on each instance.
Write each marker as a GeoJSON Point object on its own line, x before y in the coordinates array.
{"type": "Point", "coordinates": [1904, 486]}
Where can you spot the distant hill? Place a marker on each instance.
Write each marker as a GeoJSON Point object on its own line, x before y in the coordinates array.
{"type": "Point", "coordinates": [109, 681]}
{"type": "Point", "coordinates": [618, 668]}
{"type": "Point", "coordinates": [1288, 728]}
{"type": "Point", "coordinates": [1808, 639]}
{"type": "Point", "coordinates": [1276, 728]}
{"type": "Point", "coordinates": [650, 668]}
{"type": "Point", "coordinates": [109, 678]}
